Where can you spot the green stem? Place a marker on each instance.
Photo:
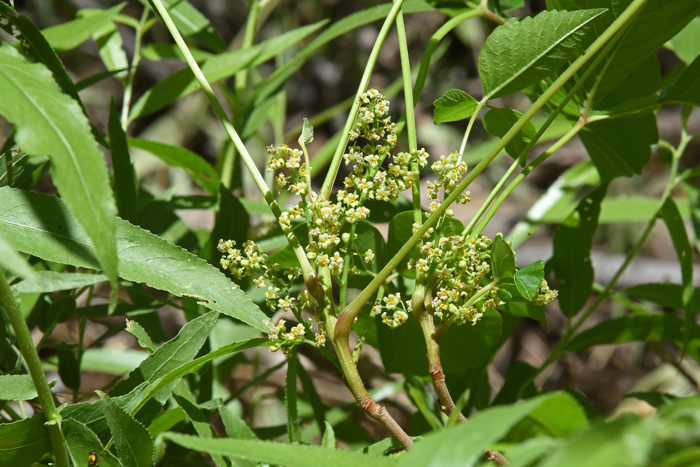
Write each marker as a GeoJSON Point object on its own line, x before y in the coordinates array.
{"type": "Point", "coordinates": [354, 110]}
{"type": "Point", "coordinates": [129, 87]}
{"type": "Point", "coordinates": [310, 277]}
{"type": "Point", "coordinates": [544, 156]}
{"type": "Point", "coordinates": [31, 357]}
{"type": "Point", "coordinates": [463, 146]}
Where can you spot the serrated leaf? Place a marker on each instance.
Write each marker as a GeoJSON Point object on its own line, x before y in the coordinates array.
{"type": "Point", "coordinates": [49, 122]}
{"type": "Point", "coordinates": [195, 166]}
{"type": "Point", "coordinates": [307, 133]}
{"type": "Point", "coordinates": [69, 35]}
{"type": "Point", "coordinates": [620, 147]}
{"type": "Point", "coordinates": [235, 426]}
{"type": "Point", "coordinates": [42, 226]}
{"type": "Point", "coordinates": [141, 335]}
{"type": "Point", "coordinates": [186, 401]}
{"type": "Point", "coordinates": [16, 387]}
{"type": "Point", "coordinates": [174, 353]}
{"type": "Point", "coordinates": [216, 68]}
{"type": "Point", "coordinates": [51, 281]}
{"type": "Point", "coordinates": [687, 88]}
{"type": "Point", "coordinates": [453, 106]}
{"type": "Point", "coordinates": [529, 279]}
{"type": "Point", "coordinates": [134, 444]}
{"type": "Point", "coordinates": [571, 261]}
{"type": "Point", "coordinates": [125, 185]}
{"type": "Point", "coordinates": [25, 441]}
{"type": "Point", "coordinates": [81, 441]}
{"type": "Point", "coordinates": [502, 258]}
{"type": "Point", "coordinates": [14, 262]}
{"type": "Point", "coordinates": [289, 455]}
{"type": "Point", "coordinates": [498, 122]}
{"type": "Point", "coordinates": [166, 421]}
{"type": "Point", "coordinates": [521, 53]}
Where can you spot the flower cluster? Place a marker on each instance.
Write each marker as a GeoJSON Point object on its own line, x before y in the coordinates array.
{"type": "Point", "coordinates": [284, 340]}
{"type": "Point", "coordinates": [395, 311]}
{"type": "Point", "coordinates": [545, 295]}
{"type": "Point", "coordinates": [450, 171]}
{"type": "Point", "coordinates": [242, 262]}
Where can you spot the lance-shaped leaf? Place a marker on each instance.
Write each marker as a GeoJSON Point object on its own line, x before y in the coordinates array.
{"type": "Point", "coordinates": [521, 53]}
{"type": "Point", "coordinates": [42, 226]}
{"type": "Point", "coordinates": [133, 442]}
{"type": "Point", "coordinates": [69, 35]}
{"type": "Point", "coordinates": [453, 106]}
{"type": "Point", "coordinates": [125, 184]}
{"type": "Point", "coordinates": [51, 123]}
{"type": "Point", "coordinates": [571, 261]}
{"type": "Point", "coordinates": [307, 133]}
{"type": "Point", "coordinates": [14, 262]}
{"type": "Point", "coordinates": [51, 281]}
{"type": "Point", "coordinates": [502, 258]}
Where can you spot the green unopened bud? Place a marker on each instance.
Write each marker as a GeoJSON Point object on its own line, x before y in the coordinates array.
{"type": "Point", "coordinates": [345, 237]}
{"type": "Point", "coordinates": [311, 255]}
{"type": "Point", "coordinates": [318, 222]}
{"type": "Point", "coordinates": [449, 213]}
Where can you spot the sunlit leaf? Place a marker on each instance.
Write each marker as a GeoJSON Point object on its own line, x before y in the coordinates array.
{"type": "Point", "coordinates": [453, 106]}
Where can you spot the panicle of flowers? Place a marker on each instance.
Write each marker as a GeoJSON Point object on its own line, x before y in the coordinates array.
{"type": "Point", "coordinates": [242, 262]}
{"type": "Point", "coordinates": [545, 295]}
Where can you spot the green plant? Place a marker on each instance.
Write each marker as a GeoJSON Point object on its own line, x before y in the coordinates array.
{"type": "Point", "coordinates": [438, 299]}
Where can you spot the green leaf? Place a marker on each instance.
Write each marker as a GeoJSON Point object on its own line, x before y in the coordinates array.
{"type": "Point", "coordinates": [235, 426]}
{"type": "Point", "coordinates": [216, 68]}
{"type": "Point", "coordinates": [186, 400]}
{"type": "Point", "coordinates": [195, 166]}
{"type": "Point", "coordinates": [470, 346]}
{"type": "Point", "coordinates": [193, 24]}
{"type": "Point", "coordinates": [463, 444]}
{"type": "Point", "coordinates": [69, 35]}
{"type": "Point", "coordinates": [41, 50]}
{"type": "Point", "coordinates": [14, 262]}
{"type": "Point", "coordinates": [620, 146]}
{"type": "Point", "coordinates": [685, 43]}
{"type": "Point", "coordinates": [623, 209]}
{"type": "Point", "coordinates": [290, 400]}
{"type": "Point", "coordinates": [631, 328]}
{"type": "Point", "coordinates": [499, 121]}
{"type": "Point", "coordinates": [521, 53]}
{"type": "Point", "coordinates": [134, 444]}
{"type": "Point", "coordinates": [42, 226]}
{"type": "Point", "coordinates": [328, 440]}
{"type": "Point", "coordinates": [16, 387]}
{"type": "Point", "coordinates": [557, 417]}
{"type": "Point", "coordinates": [112, 361]}
{"type": "Point", "coordinates": [110, 46]}
{"type": "Point", "coordinates": [141, 335]}
{"type": "Point", "coordinates": [50, 281]}
{"type": "Point", "coordinates": [174, 353]}
{"type": "Point", "coordinates": [668, 295]}
{"type": "Point", "coordinates": [571, 260]}
{"type": "Point", "coordinates": [125, 185]}
{"type": "Point", "coordinates": [623, 442]}
{"type": "Point", "coordinates": [674, 222]}
{"type": "Point", "coordinates": [525, 310]}
{"type": "Point", "coordinates": [156, 51]}
{"type": "Point", "coordinates": [25, 441]}
{"type": "Point", "coordinates": [166, 421]}
{"type": "Point", "coordinates": [311, 395]}
{"type": "Point", "coordinates": [232, 222]}
{"type": "Point", "coordinates": [11, 166]}
{"type": "Point", "coordinates": [502, 258]}
{"type": "Point", "coordinates": [369, 238]}
{"type": "Point", "coordinates": [402, 349]}
{"type": "Point", "coordinates": [289, 455]}
{"type": "Point", "coordinates": [453, 106]}
{"type": "Point", "coordinates": [529, 279]}
{"type": "Point", "coordinates": [49, 122]}
{"type": "Point", "coordinates": [687, 88]}
{"type": "Point", "coordinates": [81, 441]}
{"type": "Point", "coordinates": [307, 133]}
{"type": "Point", "coordinates": [517, 375]}
{"type": "Point", "coordinates": [68, 367]}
